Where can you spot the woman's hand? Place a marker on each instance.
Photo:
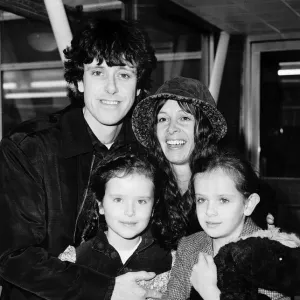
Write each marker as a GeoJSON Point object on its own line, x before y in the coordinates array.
{"type": "Point", "coordinates": [204, 277]}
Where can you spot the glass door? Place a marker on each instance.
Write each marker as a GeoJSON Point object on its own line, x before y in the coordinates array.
{"type": "Point", "coordinates": [271, 123]}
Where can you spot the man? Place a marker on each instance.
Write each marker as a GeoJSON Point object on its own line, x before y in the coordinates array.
{"type": "Point", "coordinates": [46, 163]}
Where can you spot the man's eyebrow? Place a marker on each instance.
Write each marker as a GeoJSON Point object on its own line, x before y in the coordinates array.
{"type": "Point", "coordinates": [89, 67]}
{"type": "Point", "coordinates": [128, 68]}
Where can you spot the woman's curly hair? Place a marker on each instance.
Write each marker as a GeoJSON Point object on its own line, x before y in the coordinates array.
{"type": "Point", "coordinates": [116, 42]}
{"type": "Point", "coordinates": [176, 212]}
{"type": "Point", "coordinates": [120, 163]}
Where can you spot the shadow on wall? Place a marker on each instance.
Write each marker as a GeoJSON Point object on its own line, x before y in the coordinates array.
{"type": "Point", "coordinates": [231, 90]}
{"type": "Point", "coordinates": [286, 195]}
{"type": "Point", "coordinates": [268, 204]}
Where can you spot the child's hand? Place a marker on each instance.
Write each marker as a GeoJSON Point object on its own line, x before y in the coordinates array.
{"type": "Point", "coordinates": [153, 294]}
{"type": "Point", "coordinates": [126, 286]}
{"type": "Point", "coordinates": [204, 277]}
{"type": "Point", "coordinates": [270, 221]}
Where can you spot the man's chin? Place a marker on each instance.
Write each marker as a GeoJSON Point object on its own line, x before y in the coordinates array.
{"type": "Point", "coordinates": [114, 122]}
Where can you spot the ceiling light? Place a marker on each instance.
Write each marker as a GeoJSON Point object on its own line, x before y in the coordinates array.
{"type": "Point", "coordinates": [35, 95]}
{"type": "Point", "coordinates": [288, 72]}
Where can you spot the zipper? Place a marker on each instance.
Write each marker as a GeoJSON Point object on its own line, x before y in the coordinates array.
{"type": "Point", "coordinates": [84, 197]}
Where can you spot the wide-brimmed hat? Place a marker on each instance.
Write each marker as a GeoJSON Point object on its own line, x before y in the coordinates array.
{"type": "Point", "coordinates": [179, 89]}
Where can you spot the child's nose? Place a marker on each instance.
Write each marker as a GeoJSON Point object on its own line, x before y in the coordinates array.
{"type": "Point", "coordinates": [129, 210]}
{"type": "Point", "coordinates": [211, 209]}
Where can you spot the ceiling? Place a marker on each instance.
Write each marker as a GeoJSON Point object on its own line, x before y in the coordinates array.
{"type": "Point", "coordinates": [248, 16]}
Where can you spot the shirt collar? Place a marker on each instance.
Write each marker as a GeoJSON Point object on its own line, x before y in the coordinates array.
{"type": "Point", "coordinates": [101, 243]}
{"type": "Point", "coordinates": [97, 144]}
{"type": "Point", "coordinates": [78, 138]}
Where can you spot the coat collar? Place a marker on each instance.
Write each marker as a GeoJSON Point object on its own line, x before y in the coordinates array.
{"type": "Point", "coordinates": [249, 227]}
{"type": "Point", "coordinates": [100, 242]}
{"type": "Point", "coordinates": [206, 245]}
{"type": "Point", "coordinates": [75, 137]}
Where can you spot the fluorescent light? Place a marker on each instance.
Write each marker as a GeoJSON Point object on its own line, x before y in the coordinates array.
{"type": "Point", "coordinates": [287, 72]}
{"type": "Point", "coordinates": [178, 56]}
{"type": "Point", "coordinates": [48, 84]}
{"type": "Point", "coordinates": [43, 106]}
{"type": "Point", "coordinates": [9, 85]}
{"type": "Point", "coordinates": [35, 95]}
{"type": "Point", "coordinates": [290, 80]}
{"type": "Point", "coordinates": [289, 63]}
{"type": "Point", "coordinates": [109, 5]}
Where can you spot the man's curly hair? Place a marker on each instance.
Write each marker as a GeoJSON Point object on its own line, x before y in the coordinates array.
{"type": "Point", "coordinates": [116, 42]}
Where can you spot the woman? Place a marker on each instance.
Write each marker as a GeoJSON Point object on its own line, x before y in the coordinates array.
{"type": "Point", "coordinates": [177, 124]}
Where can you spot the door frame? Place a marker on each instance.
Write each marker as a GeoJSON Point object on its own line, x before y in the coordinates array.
{"type": "Point", "coordinates": [250, 103]}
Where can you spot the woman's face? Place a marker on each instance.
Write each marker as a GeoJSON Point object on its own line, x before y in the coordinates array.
{"type": "Point", "coordinates": [175, 132]}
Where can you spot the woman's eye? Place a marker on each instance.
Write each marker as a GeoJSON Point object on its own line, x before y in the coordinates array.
{"type": "Point", "coordinates": [200, 200]}
{"type": "Point", "coordinates": [185, 118]}
{"type": "Point", "coordinates": [161, 119]}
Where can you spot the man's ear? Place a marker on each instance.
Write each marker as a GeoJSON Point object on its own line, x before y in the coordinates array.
{"type": "Point", "coordinates": [251, 203]}
{"type": "Point", "coordinates": [138, 92]}
{"type": "Point", "coordinates": [80, 86]}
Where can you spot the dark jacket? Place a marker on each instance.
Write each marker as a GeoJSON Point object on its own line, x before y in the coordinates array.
{"type": "Point", "coordinates": [45, 166]}
{"type": "Point", "coordinates": [99, 255]}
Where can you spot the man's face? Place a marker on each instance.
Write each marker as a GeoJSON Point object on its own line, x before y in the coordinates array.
{"type": "Point", "coordinates": [109, 92]}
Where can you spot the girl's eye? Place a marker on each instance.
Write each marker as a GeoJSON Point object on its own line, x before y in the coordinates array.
{"type": "Point", "coordinates": [224, 200]}
{"type": "Point", "coordinates": [142, 201]}
{"type": "Point", "coordinates": [200, 200]}
{"type": "Point", "coordinates": [117, 199]}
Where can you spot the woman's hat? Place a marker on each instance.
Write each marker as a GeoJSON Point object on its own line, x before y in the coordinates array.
{"type": "Point", "coordinates": [179, 89]}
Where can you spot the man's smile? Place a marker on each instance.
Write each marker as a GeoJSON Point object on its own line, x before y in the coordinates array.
{"type": "Point", "coordinates": [109, 102]}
